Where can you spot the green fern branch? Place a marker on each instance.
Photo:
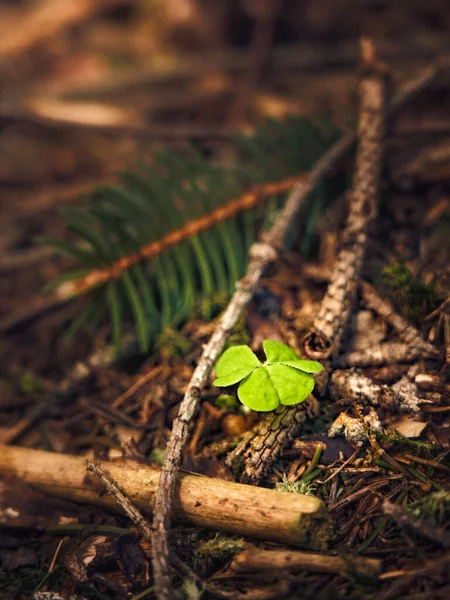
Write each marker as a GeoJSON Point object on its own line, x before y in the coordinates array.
{"type": "Point", "coordinates": [122, 263]}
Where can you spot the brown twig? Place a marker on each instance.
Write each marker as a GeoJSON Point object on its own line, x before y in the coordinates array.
{"type": "Point", "coordinates": [325, 335]}
{"type": "Point", "coordinates": [406, 332]}
{"type": "Point", "coordinates": [133, 513]}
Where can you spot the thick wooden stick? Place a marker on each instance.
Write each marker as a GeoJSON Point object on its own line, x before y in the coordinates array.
{"type": "Point", "coordinates": [200, 501]}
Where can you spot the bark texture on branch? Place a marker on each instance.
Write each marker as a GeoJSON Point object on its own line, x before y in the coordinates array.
{"type": "Point", "coordinates": [200, 501]}
{"type": "Point", "coordinates": [324, 338]}
{"type": "Point", "coordinates": [388, 353]}
{"type": "Point", "coordinates": [263, 445]}
{"type": "Point", "coordinates": [351, 385]}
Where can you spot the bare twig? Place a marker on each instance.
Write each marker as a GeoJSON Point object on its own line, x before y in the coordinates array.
{"type": "Point", "coordinates": [325, 335]}
{"type": "Point", "coordinates": [133, 513]}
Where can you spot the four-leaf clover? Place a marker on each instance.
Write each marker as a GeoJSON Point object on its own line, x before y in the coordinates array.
{"type": "Point", "coordinates": [284, 377]}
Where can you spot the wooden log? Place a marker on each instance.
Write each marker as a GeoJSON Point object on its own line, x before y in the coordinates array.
{"type": "Point", "coordinates": [201, 501]}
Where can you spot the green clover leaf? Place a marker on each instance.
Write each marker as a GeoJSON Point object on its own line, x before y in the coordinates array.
{"type": "Point", "coordinates": [283, 379]}
{"type": "Point", "coordinates": [278, 352]}
{"type": "Point", "coordinates": [308, 366]}
{"type": "Point", "coordinates": [257, 392]}
{"type": "Point", "coordinates": [291, 385]}
{"type": "Point", "coordinates": [234, 365]}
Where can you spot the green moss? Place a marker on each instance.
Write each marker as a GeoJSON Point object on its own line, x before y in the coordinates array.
{"type": "Point", "coordinates": [434, 507]}
{"type": "Point", "coordinates": [173, 343]}
{"type": "Point", "coordinates": [411, 294]}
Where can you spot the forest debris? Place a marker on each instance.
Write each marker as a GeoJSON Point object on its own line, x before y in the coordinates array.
{"type": "Point", "coordinates": [355, 428]}
{"type": "Point", "coordinates": [264, 443]}
{"type": "Point", "coordinates": [352, 385]}
{"type": "Point", "coordinates": [260, 256]}
{"type": "Point", "coordinates": [408, 392]}
{"type": "Point", "coordinates": [383, 354]}
{"type": "Point", "coordinates": [258, 559]}
{"type": "Point", "coordinates": [47, 19]}
{"type": "Point", "coordinates": [324, 338]}
{"type": "Point", "coordinates": [267, 439]}
{"type": "Point", "coordinates": [406, 332]}
{"type": "Point", "coordinates": [258, 455]}
{"type": "Point", "coordinates": [409, 427]}
{"type": "Point", "coordinates": [432, 383]}
{"type": "Point", "coordinates": [200, 501]}
{"type": "Point", "coordinates": [406, 520]}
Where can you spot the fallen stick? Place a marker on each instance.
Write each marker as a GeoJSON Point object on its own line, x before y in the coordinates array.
{"type": "Point", "coordinates": [199, 501]}
{"type": "Point", "coordinates": [255, 559]}
{"type": "Point", "coordinates": [324, 338]}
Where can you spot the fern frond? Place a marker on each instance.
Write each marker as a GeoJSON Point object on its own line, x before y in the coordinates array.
{"type": "Point", "coordinates": [178, 230]}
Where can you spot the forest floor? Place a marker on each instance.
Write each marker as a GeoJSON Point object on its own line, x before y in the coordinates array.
{"type": "Point", "coordinates": [112, 87]}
